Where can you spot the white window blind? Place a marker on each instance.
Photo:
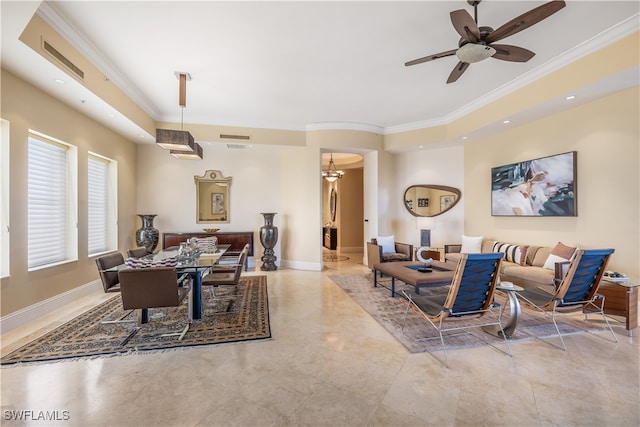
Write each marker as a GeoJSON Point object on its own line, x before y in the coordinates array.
{"type": "Point", "coordinates": [47, 203]}
{"type": "Point", "coordinates": [98, 205]}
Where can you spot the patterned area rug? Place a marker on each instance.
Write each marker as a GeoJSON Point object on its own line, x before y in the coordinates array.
{"type": "Point", "coordinates": [390, 313]}
{"type": "Point", "coordinates": [229, 317]}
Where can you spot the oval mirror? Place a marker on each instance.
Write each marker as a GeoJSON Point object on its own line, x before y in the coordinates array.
{"type": "Point", "coordinates": [430, 200]}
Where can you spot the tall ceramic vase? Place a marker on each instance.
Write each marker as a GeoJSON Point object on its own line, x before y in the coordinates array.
{"type": "Point", "coordinates": [147, 235]}
{"type": "Point", "coordinates": [268, 238]}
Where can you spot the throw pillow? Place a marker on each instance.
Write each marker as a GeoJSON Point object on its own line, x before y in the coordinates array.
{"type": "Point", "coordinates": [388, 244]}
{"type": "Point", "coordinates": [471, 245]}
{"type": "Point", "coordinates": [560, 253]}
{"type": "Point", "coordinates": [512, 253]}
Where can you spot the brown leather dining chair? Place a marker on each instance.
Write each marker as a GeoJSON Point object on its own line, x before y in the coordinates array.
{"type": "Point", "coordinates": [110, 280]}
{"type": "Point", "coordinates": [154, 287]}
{"type": "Point", "coordinates": [227, 272]}
{"type": "Point", "coordinates": [137, 252]}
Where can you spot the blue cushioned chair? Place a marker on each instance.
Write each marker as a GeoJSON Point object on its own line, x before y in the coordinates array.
{"type": "Point", "coordinates": [577, 290]}
{"type": "Point", "coordinates": [470, 296]}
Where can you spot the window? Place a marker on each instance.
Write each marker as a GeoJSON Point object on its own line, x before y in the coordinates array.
{"type": "Point", "coordinates": [102, 207]}
{"type": "Point", "coordinates": [51, 202]}
{"type": "Point", "coordinates": [4, 198]}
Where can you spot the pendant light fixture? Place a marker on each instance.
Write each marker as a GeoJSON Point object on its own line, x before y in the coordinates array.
{"type": "Point", "coordinates": [180, 142]}
{"type": "Point", "coordinates": [332, 173]}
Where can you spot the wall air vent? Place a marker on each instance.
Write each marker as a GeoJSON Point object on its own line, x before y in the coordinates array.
{"type": "Point", "coordinates": [236, 146]}
{"type": "Point", "coordinates": [227, 136]}
{"type": "Point", "coordinates": [60, 57]}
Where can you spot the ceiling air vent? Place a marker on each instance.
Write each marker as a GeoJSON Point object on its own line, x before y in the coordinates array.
{"type": "Point", "coordinates": [237, 146]}
{"type": "Point", "coordinates": [60, 57]}
{"type": "Point", "coordinates": [227, 136]}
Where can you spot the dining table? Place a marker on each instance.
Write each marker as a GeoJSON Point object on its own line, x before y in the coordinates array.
{"type": "Point", "coordinates": [196, 265]}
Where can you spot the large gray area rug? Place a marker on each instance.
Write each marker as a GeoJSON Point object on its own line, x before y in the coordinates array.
{"type": "Point", "coordinates": [229, 317]}
{"type": "Point", "coordinates": [390, 313]}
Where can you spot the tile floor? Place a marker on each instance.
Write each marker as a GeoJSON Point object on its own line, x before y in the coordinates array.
{"type": "Point", "coordinates": [329, 364]}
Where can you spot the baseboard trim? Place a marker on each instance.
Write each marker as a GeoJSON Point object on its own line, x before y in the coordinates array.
{"type": "Point", "coordinates": [297, 265]}
{"type": "Point", "coordinates": [39, 309]}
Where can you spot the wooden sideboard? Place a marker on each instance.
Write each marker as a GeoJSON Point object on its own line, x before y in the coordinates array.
{"type": "Point", "coordinates": [236, 239]}
{"type": "Point", "coordinates": [621, 300]}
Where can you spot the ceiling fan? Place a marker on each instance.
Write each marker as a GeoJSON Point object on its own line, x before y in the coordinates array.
{"type": "Point", "coordinates": [477, 43]}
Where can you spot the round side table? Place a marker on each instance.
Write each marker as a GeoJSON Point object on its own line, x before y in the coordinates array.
{"type": "Point", "coordinates": [514, 310]}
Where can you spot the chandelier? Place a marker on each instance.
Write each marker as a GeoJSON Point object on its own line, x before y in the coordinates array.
{"type": "Point", "coordinates": [180, 142]}
{"type": "Point", "coordinates": [332, 173]}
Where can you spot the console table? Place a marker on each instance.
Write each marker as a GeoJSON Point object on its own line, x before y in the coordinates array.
{"type": "Point", "coordinates": [235, 239]}
{"type": "Point", "coordinates": [330, 237]}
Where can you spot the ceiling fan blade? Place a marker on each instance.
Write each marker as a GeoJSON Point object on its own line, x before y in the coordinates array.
{"type": "Point", "coordinates": [507, 52]}
{"type": "Point", "coordinates": [465, 25]}
{"type": "Point", "coordinates": [431, 57]}
{"type": "Point", "coordinates": [457, 72]}
{"type": "Point", "coordinates": [525, 20]}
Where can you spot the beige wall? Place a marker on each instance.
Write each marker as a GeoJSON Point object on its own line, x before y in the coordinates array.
{"type": "Point", "coordinates": [26, 107]}
{"type": "Point", "coordinates": [605, 135]}
{"type": "Point", "coordinates": [442, 165]}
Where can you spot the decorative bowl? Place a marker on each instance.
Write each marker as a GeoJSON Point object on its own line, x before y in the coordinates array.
{"type": "Point", "coordinates": [211, 230]}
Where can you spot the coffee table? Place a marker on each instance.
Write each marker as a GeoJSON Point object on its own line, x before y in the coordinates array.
{"type": "Point", "coordinates": [407, 272]}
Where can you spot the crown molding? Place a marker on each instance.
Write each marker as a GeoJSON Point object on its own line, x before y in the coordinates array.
{"type": "Point", "coordinates": [345, 126]}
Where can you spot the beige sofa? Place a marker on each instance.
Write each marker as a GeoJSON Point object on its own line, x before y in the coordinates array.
{"type": "Point", "coordinates": [532, 274]}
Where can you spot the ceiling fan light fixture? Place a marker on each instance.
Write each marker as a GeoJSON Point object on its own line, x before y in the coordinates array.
{"type": "Point", "coordinates": [472, 52]}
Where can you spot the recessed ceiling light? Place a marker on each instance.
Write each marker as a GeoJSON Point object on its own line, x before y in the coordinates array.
{"type": "Point", "coordinates": [464, 137]}
{"type": "Point", "coordinates": [420, 146]}
{"type": "Point", "coordinates": [112, 115]}
{"type": "Point", "coordinates": [60, 82]}
{"type": "Point", "coordinates": [570, 97]}
{"type": "Point", "coordinates": [506, 122]}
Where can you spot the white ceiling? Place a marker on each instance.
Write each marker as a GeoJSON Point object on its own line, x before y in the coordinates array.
{"type": "Point", "coordinates": [298, 64]}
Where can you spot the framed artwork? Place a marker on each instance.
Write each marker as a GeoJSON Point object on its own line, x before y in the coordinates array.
{"type": "Point", "coordinates": [212, 197]}
{"type": "Point", "coordinates": [446, 202]}
{"type": "Point", "coordinates": [217, 203]}
{"type": "Point", "coordinates": [538, 187]}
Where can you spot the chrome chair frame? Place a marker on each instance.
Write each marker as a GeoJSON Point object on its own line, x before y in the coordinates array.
{"type": "Point", "coordinates": [577, 290]}
{"type": "Point", "coordinates": [470, 294]}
